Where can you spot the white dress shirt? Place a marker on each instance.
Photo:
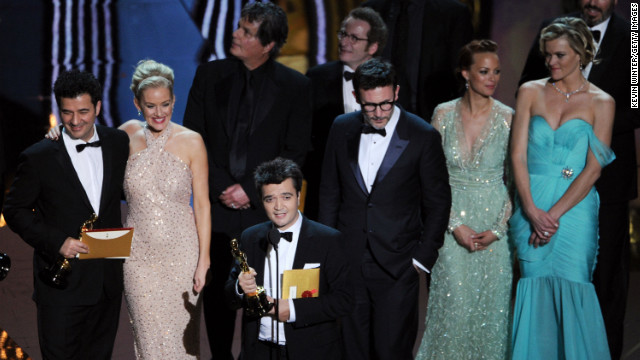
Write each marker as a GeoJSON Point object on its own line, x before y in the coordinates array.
{"type": "Point", "coordinates": [88, 166]}
{"type": "Point", "coordinates": [602, 27]}
{"type": "Point", "coordinates": [286, 255]}
{"type": "Point", "coordinates": [350, 103]}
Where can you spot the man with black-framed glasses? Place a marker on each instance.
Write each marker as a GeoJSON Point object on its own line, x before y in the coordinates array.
{"type": "Point", "coordinates": [385, 186]}
{"type": "Point", "coordinates": [362, 35]}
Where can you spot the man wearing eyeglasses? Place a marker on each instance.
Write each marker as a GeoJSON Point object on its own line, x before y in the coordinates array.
{"type": "Point", "coordinates": [385, 186]}
{"type": "Point", "coordinates": [249, 109]}
{"type": "Point", "coordinates": [362, 36]}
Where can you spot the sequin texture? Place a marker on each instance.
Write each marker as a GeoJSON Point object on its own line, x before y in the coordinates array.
{"type": "Point", "coordinates": [158, 276]}
{"type": "Point", "coordinates": [468, 314]}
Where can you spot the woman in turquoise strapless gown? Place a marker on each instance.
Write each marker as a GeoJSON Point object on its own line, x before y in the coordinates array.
{"type": "Point", "coordinates": [471, 282]}
{"type": "Point", "coordinates": [560, 139]}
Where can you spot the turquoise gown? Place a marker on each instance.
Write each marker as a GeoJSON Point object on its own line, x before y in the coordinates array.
{"type": "Point", "coordinates": [468, 314]}
{"type": "Point", "coordinates": [556, 313]}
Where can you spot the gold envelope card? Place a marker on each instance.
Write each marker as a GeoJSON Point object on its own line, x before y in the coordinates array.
{"type": "Point", "coordinates": [107, 243]}
{"type": "Point", "coordinates": [301, 283]}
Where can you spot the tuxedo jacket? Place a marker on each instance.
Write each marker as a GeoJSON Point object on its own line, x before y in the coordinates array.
{"type": "Point", "coordinates": [445, 27]}
{"type": "Point", "coordinates": [328, 103]}
{"type": "Point", "coordinates": [281, 126]}
{"type": "Point", "coordinates": [47, 203]}
{"type": "Point", "coordinates": [618, 181]}
{"type": "Point", "coordinates": [407, 211]}
{"type": "Point", "coordinates": [315, 334]}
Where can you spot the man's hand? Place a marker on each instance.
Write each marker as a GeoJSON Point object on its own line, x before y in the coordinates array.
{"type": "Point", "coordinates": [72, 247]}
{"type": "Point", "coordinates": [283, 308]}
{"type": "Point", "coordinates": [234, 197]}
{"type": "Point", "coordinates": [247, 281]}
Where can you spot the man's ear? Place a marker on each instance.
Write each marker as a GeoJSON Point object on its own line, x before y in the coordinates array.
{"type": "Point", "coordinates": [267, 48]}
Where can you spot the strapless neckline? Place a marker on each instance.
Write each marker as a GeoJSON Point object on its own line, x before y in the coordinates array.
{"type": "Point", "coordinates": [563, 124]}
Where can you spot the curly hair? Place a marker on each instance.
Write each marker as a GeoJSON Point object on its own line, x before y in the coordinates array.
{"type": "Point", "coordinates": [273, 23]}
{"type": "Point", "coordinates": [275, 172]}
{"type": "Point", "coordinates": [74, 82]}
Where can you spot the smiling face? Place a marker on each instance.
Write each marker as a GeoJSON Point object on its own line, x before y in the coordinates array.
{"type": "Point", "coordinates": [560, 58]}
{"type": "Point", "coordinates": [484, 74]}
{"type": "Point", "coordinates": [596, 11]}
{"type": "Point", "coordinates": [156, 105]}
{"type": "Point", "coordinates": [355, 53]}
{"type": "Point", "coordinates": [281, 203]}
{"type": "Point", "coordinates": [78, 116]}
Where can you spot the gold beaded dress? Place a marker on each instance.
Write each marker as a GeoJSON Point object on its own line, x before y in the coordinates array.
{"type": "Point", "coordinates": [468, 314]}
{"type": "Point", "coordinates": [158, 276]}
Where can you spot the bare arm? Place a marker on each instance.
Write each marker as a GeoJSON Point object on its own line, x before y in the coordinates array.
{"type": "Point", "coordinates": [201, 205]}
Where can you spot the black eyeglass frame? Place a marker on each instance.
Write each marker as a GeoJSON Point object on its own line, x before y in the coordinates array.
{"type": "Point", "coordinates": [350, 37]}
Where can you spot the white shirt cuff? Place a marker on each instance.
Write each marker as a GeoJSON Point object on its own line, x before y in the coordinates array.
{"type": "Point", "coordinates": [417, 263]}
{"type": "Point", "coordinates": [292, 312]}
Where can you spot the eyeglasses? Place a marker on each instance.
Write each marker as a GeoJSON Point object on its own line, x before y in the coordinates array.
{"type": "Point", "coordinates": [352, 39]}
{"type": "Point", "coordinates": [384, 106]}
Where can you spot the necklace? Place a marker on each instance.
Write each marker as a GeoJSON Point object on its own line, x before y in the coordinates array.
{"type": "Point", "coordinates": [568, 95]}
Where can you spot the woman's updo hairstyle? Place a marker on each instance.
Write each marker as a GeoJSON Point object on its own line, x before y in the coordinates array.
{"type": "Point", "coordinates": [465, 56]}
{"type": "Point", "coordinates": [151, 74]}
{"type": "Point", "coordinates": [577, 33]}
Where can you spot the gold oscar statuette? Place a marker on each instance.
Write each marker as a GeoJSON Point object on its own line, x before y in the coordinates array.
{"type": "Point", "coordinates": [257, 304]}
{"type": "Point", "coordinates": [56, 275]}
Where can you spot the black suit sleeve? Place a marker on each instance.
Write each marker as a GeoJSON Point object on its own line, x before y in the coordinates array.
{"type": "Point", "coordinates": [330, 184]}
{"type": "Point", "coordinates": [298, 135]}
{"type": "Point", "coordinates": [435, 200]}
{"type": "Point", "coordinates": [337, 301]}
{"type": "Point", "coordinates": [20, 212]}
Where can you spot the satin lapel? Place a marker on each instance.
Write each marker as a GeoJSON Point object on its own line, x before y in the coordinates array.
{"type": "Point", "coordinates": [353, 146]}
{"type": "Point", "coordinates": [107, 165]}
{"type": "Point", "coordinates": [395, 149]}
{"type": "Point", "coordinates": [260, 254]}
{"type": "Point", "coordinates": [305, 241]}
{"type": "Point", "coordinates": [67, 167]}
{"type": "Point", "coordinates": [267, 97]}
{"type": "Point", "coordinates": [228, 91]}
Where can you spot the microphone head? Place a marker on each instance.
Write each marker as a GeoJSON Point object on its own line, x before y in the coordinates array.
{"type": "Point", "coordinates": [274, 237]}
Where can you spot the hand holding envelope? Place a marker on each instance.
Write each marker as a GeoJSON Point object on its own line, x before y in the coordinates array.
{"type": "Point", "coordinates": [301, 283]}
{"type": "Point", "coordinates": [107, 243]}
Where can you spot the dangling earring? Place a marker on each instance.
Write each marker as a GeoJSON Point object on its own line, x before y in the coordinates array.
{"type": "Point", "coordinates": [466, 84]}
{"type": "Point", "coordinates": [139, 113]}
{"type": "Point", "coordinates": [581, 66]}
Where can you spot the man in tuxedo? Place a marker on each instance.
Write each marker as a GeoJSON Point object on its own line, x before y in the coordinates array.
{"type": "Point", "coordinates": [58, 186]}
{"type": "Point", "coordinates": [248, 109]}
{"type": "Point", "coordinates": [618, 182]}
{"type": "Point", "coordinates": [362, 36]}
{"type": "Point", "coordinates": [307, 327]}
{"type": "Point", "coordinates": [425, 37]}
{"type": "Point", "coordinates": [385, 186]}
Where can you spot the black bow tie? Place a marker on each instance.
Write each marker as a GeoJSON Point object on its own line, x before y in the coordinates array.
{"type": "Point", "coordinates": [368, 129]}
{"type": "Point", "coordinates": [348, 75]}
{"type": "Point", "coordinates": [287, 236]}
{"type": "Point", "coordinates": [81, 147]}
{"type": "Point", "coordinates": [596, 35]}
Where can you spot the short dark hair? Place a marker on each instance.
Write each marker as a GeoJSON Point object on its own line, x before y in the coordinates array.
{"type": "Point", "coordinates": [73, 83]}
{"type": "Point", "coordinates": [378, 30]}
{"type": "Point", "coordinates": [372, 74]}
{"type": "Point", "coordinates": [275, 172]}
{"type": "Point", "coordinates": [273, 23]}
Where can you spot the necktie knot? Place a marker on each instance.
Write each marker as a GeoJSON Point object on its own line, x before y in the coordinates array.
{"type": "Point", "coordinates": [348, 75]}
{"type": "Point", "coordinates": [80, 147]}
{"type": "Point", "coordinates": [287, 236]}
{"type": "Point", "coordinates": [368, 129]}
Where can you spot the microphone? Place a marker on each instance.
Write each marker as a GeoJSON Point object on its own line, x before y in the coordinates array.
{"type": "Point", "coordinates": [274, 239]}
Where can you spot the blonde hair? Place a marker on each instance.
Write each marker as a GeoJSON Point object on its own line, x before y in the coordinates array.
{"type": "Point", "coordinates": [151, 74]}
{"type": "Point", "coordinates": [577, 34]}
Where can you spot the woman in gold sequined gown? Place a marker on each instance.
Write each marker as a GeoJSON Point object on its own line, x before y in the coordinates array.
{"type": "Point", "coordinates": [469, 301]}
{"type": "Point", "coordinates": [170, 250]}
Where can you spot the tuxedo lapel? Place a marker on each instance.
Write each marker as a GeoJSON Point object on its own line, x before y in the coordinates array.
{"type": "Point", "coordinates": [598, 72]}
{"type": "Point", "coordinates": [64, 160]}
{"type": "Point", "coordinates": [267, 97]}
{"type": "Point", "coordinates": [353, 146]}
{"type": "Point", "coordinates": [259, 256]}
{"type": "Point", "coordinates": [395, 149]}
{"type": "Point", "coordinates": [107, 166]}
{"type": "Point", "coordinates": [305, 244]}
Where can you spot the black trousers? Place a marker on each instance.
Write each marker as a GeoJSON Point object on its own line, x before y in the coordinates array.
{"type": "Point", "coordinates": [219, 319]}
{"type": "Point", "coordinates": [384, 323]}
{"type": "Point", "coordinates": [611, 277]}
{"type": "Point", "coordinates": [79, 332]}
